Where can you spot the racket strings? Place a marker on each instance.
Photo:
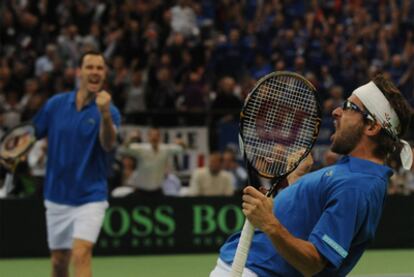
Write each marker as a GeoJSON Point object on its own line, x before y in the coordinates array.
{"type": "Point", "coordinates": [294, 101]}
{"type": "Point", "coordinates": [280, 123]}
{"type": "Point", "coordinates": [17, 141]}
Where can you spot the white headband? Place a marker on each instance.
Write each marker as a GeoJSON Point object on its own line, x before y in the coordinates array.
{"type": "Point", "coordinates": [376, 103]}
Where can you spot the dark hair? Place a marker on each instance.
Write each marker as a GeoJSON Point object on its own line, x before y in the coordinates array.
{"type": "Point", "coordinates": [216, 153]}
{"type": "Point", "coordinates": [387, 145]}
{"type": "Point", "coordinates": [90, 52]}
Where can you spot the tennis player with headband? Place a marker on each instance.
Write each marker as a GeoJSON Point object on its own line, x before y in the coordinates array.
{"type": "Point", "coordinates": [81, 127]}
{"type": "Point", "coordinates": [323, 222]}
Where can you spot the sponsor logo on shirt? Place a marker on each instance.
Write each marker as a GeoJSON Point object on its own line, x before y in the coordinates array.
{"type": "Point", "coordinates": [91, 121]}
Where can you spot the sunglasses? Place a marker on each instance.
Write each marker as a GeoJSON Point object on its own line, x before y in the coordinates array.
{"type": "Point", "coordinates": [348, 105]}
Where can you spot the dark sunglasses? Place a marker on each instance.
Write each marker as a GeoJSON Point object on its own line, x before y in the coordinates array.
{"type": "Point", "coordinates": [348, 105]}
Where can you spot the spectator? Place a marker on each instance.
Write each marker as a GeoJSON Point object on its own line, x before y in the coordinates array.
{"type": "Point", "coordinates": [327, 80]}
{"type": "Point", "coordinates": [231, 56]}
{"type": "Point", "coordinates": [176, 47]}
{"type": "Point", "coordinates": [5, 77]}
{"type": "Point", "coordinates": [162, 92]}
{"type": "Point", "coordinates": [31, 88]}
{"type": "Point", "coordinates": [335, 99]}
{"type": "Point", "coordinates": [135, 94]}
{"type": "Point", "coordinates": [132, 136]}
{"type": "Point", "coordinates": [94, 36]}
{"type": "Point", "coordinates": [128, 176]}
{"type": "Point", "coordinates": [300, 65]}
{"type": "Point", "coordinates": [225, 108]}
{"type": "Point", "coordinates": [45, 63]}
{"type": "Point", "coordinates": [12, 110]}
{"type": "Point", "coordinates": [69, 42]}
{"type": "Point", "coordinates": [184, 68]}
{"type": "Point", "coordinates": [118, 80]}
{"type": "Point", "coordinates": [226, 103]}
{"type": "Point", "coordinates": [238, 173]}
{"type": "Point", "coordinates": [129, 172]}
{"type": "Point", "coordinates": [261, 67]}
{"type": "Point", "coordinates": [183, 19]}
{"type": "Point", "coordinates": [153, 162]}
{"type": "Point", "coordinates": [193, 95]}
{"type": "Point", "coordinates": [211, 180]}
{"type": "Point", "coordinates": [171, 185]}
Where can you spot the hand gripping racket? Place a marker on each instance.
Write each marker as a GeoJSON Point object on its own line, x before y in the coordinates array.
{"type": "Point", "coordinates": [15, 143]}
{"type": "Point", "coordinates": [279, 124]}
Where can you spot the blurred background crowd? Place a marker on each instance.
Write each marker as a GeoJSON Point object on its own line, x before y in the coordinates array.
{"type": "Point", "coordinates": [188, 62]}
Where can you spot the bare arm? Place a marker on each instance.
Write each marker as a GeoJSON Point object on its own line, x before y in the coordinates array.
{"type": "Point", "coordinates": [304, 167]}
{"type": "Point", "coordinates": [107, 134]}
{"type": "Point", "coordinates": [299, 253]}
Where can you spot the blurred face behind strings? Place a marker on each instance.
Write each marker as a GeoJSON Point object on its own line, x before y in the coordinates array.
{"type": "Point", "coordinates": [92, 73]}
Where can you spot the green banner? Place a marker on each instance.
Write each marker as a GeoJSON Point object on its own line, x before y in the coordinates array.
{"type": "Point", "coordinates": [169, 225]}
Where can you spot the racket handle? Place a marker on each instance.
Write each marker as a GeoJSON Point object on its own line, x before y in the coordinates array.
{"type": "Point", "coordinates": [242, 249]}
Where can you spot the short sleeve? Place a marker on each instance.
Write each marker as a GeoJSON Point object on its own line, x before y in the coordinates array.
{"type": "Point", "coordinates": [341, 219]}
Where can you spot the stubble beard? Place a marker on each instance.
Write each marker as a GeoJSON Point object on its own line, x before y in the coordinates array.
{"type": "Point", "coordinates": [346, 140]}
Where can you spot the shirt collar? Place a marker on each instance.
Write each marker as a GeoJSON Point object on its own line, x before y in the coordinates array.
{"type": "Point", "coordinates": [72, 96]}
{"type": "Point", "coordinates": [367, 167]}
{"type": "Point", "coordinates": [72, 99]}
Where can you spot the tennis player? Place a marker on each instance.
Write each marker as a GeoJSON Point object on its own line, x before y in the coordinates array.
{"type": "Point", "coordinates": [81, 128]}
{"type": "Point", "coordinates": [321, 224]}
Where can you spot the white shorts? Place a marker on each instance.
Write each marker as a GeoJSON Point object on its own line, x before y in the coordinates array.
{"type": "Point", "coordinates": [64, 223]}
{"type": "Point", "coordinates": [223, 270]}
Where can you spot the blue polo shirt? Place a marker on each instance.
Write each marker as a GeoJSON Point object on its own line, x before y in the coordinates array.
{"type": "Point", "coordinates": [336, 208]}
{"type": "Point", "coordinates": [77, 165]}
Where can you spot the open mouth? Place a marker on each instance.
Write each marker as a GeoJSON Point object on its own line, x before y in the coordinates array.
{"type": "Point", "coordinates": [94, 80]}
{"type": "Point", "coordinates": [336, 125]}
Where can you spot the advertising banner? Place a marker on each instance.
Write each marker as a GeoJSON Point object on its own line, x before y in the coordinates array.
{"type": "Point", "coordinates": [172, 225]}
{"type": "Point", "coordinates": [136, 226]}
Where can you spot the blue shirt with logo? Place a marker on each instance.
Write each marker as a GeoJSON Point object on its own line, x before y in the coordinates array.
{"type": "Point", "coordinates": [77, 165]}
{"type": "Point", "coordinates": [337, 209]}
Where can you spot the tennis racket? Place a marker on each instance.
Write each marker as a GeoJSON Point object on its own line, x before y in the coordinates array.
{"type": "Point", "coordinates": [279, 124]}
{"type": "Point", "coordinates": [15, 144]}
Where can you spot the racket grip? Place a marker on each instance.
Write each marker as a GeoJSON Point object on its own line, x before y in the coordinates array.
{"type": "Point", "coordinates": [242, 249]}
